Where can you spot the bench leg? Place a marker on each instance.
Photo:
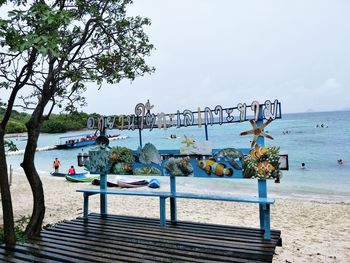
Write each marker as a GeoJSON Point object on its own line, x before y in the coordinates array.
{"type": "Point", "coordinates": [86, 205]}
{"type": "Point", "coordinates": [173, 214]}
{"type": "Point", "coordinates": [265, 220]}
{"type": "Point", "coordinates": [162, 211]}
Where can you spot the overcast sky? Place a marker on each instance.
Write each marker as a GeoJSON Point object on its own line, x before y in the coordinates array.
{"type": "Point", "coordinates": [223, 52]}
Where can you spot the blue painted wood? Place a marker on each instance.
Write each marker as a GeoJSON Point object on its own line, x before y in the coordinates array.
{"type": "Point", "coordinates": [140, 137]}
{"type": "Point", "coordinates": [162, 211]}
{"type": "Point", "coordinates": [206, 132]}
{"type": "Point", "coordinates": [267, 233]}
{"type": "Point", "coordinates": [226, 198]}
{"type": "Point", "coordinates": [173, 206]}
{"type": "Point", "coordinates": [264, 210]}
{"type": "Point", "coordinates": [86, 205]}
{"type": "Point", "coordinates": [103, 197]}
{"type": "Point", "coordinates": [92, 191]}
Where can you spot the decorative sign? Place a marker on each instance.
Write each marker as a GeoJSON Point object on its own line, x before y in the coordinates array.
{"type": "Point", "coordinates": [144, 119]}
{"type": "Point", "coordinates": [98, 162]}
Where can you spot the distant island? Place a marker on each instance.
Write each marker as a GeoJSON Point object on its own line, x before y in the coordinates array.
{"type": "Point", "coordinates": [57, 123]}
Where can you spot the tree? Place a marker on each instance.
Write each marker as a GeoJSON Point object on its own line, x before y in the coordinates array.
{"type": "Point", "coordinates": [50, 52]}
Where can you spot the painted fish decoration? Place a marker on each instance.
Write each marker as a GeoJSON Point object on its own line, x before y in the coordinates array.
{"type": "Point", "coordinates": [210, 166]}
{"type": "Point", "coordinates": [232, 155]}
{"type": "Point", "coordinates": [265, 167]}
{"type": "Point", "coordinates": [148, 154]}
{"type": "Point", "coordinates": [258, 152]}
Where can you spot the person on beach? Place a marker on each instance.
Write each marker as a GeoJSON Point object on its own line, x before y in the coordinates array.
{"type": "Point", "coordinates": [71, 170]}
{"type": "Point", "coordinates": [340, 161]}
{"type": "Point", "coordinates": [56, 164]}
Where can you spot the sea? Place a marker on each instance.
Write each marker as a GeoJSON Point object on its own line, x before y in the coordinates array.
{"type": "Point", "coordinates": [317, 139]}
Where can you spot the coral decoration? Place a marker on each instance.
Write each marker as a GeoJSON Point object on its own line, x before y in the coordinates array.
{"type": "Point", "coordinates": [257, 131]}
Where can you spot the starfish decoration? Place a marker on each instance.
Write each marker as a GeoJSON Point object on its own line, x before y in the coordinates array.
{"type": "Point", "coordinates": [188, 141]}
{"type": "Point", "coordinates": [258, 131]}
{"type": "Point", "coordinates": [148, 106]}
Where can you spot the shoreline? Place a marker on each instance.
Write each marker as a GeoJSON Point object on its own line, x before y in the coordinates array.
{"type": "Point", "coordinates": [232, 187]}
{"type": "Point", "coordinates": [311, 231]}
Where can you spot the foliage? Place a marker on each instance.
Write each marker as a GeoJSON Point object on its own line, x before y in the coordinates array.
{"type": "Point", "coordinates": [121, 159]}
{"type": "Point", "coordinates": [50, 50]}
{"type": "Point", "coordinates": [120, 154]}
{"type": "Point", "coordinates": [19, 230]}
{"type": "Point", "coordinates": [53, 126]}
{"type": "Point", "coordinates": [64, 122]}
{"type": "Point", "coordinates": [10, 145]}
{"type": "Point", "coordinates": [262, 163]}
{"type": "Point", "coordinates": [15, 126]}
{"type": "Point", "coordinates": [56, 123]}
{"type": "Point", "coordinates": [147, 171]}
{"type": "Point", "coordinates": [179, 166]}
{"type": "Point", "coordinates": [72, 43]}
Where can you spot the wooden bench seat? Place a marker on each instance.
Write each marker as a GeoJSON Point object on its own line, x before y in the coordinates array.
{"type": "Point", "coordinates": [229, 198]}
{"type": "Point", "coordinates": [264, 202]}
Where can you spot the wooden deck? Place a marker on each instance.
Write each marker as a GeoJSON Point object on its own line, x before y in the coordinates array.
{"type": "Point", "coordinates": [134, 239]}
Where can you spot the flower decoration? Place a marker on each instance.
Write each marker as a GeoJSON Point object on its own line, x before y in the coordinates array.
{"type": "Point", "coordinates": [258, 131]}
{"type": "Point", "coordinates": [262, 163]}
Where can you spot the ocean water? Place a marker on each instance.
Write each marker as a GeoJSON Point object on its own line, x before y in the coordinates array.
{"type": "Point", "coordinates": [296, 134]}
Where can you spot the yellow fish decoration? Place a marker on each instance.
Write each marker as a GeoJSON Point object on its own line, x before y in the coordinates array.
{"type": "Point", "coordinates": [258, 152]}
{"type": "Point", "coordinates": [265, 167]}
{"type": "Point", "coordinates": [211, 166]}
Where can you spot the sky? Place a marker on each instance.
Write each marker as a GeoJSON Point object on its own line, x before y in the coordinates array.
{"type": "Point", "coordinates": [225, 52]}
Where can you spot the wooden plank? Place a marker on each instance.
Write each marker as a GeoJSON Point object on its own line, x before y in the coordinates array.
{"type": "Point", "coordinates": [205, 246]}
{"type": "Point", "coordinates": [133, 239]}
{"type": "Point", "coordinates": [196, 227]}
{"type": "Point", "coordinates": [138, 251]}
{"type": "Point", "coordinates": [15, 257]}
{"type": "Point", "coordinates": [227, 198]}
{"type": "Point", "coordinates": [169, 254]}
{"type": "Point", "coordinates": [42, 255]}
{"type": "Point", "coordinates": [125, 192]}
{"type": "Point", "coordinates": [77, 254]}
{"type": "Point", "coordinates": [174, 232]}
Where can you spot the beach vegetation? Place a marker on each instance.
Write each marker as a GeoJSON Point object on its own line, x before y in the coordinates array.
{"type": "Point", "coordinates": [50, 52]}
{"type": "Point", "coordinates": [20, 226]}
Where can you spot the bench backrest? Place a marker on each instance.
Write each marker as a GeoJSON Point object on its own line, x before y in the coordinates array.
{"type": "Point", "coordinates": [214, 165]}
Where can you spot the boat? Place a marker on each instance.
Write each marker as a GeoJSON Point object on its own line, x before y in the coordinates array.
{"type": "Point", "coordinates": [80, 140]}
{"type": "Point", "coordinates": [64, 174]}
{"type": "Point", "coordinates": [124, 183]}
{"type": "Point", "coordinates": [81, 177]}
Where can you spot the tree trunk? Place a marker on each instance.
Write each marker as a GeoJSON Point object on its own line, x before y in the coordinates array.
{"type": "Point", "coordinates": [9, 230]}
{"type": "Point", "coordinates": [36, 220]}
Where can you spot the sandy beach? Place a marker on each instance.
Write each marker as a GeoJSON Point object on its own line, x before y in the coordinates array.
{"type": "Point", "coordinates": [311, 231]}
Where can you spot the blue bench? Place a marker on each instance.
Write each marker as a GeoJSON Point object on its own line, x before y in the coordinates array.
{"type": "Point", "coordinates": [262, 199]}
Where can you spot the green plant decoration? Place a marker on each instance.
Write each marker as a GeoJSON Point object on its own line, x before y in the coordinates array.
{"type": "Point", "coordinates": [148, 171]}
{"type": "Point", "coordinates": [179, 166]}
{"type": "Point", "coordinates": [121, 159]}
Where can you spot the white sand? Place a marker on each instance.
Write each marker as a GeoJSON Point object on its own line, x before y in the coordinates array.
{"type": "Point", "coordinates": [311, 231]}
